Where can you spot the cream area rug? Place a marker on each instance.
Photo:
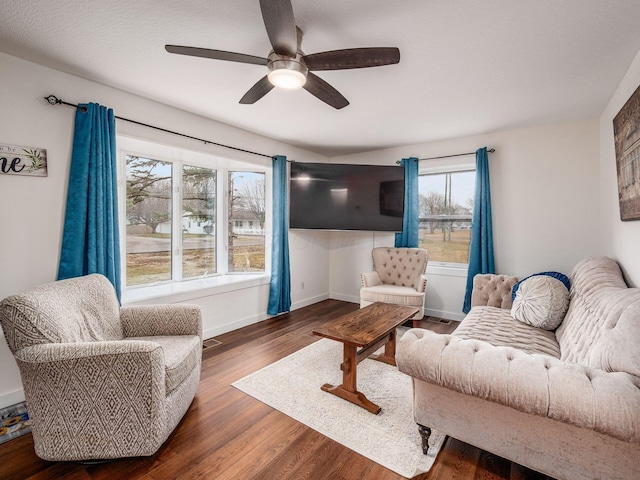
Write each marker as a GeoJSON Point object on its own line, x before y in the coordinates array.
{"type": "Point", "coordinates": [391, 438]}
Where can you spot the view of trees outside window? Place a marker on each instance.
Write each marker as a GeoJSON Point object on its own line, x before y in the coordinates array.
{"type": "Point", "coordinates": [148, 245]}
{"type": "Point", "coordinates": [446, 205]}
{"type": "Point", "coordinates": [152, 245]}
{"type": "Point", "coordinates": [246, 222]}
{"type": "Point", "coordinates": [198, 221]}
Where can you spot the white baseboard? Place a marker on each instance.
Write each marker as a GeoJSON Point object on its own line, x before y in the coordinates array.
{"type": "Point", "coordinates": [444, 315]}
{"type": "Point", "coordinates": [236, 324]}
{"type": "Point", "coordinates": [309, 301]}
{"type": "Point", "coordinates": [11, 398]}
{"type": "Point", "coordinates": [345, 298]}
{"type": "Point", "coordinates": [458, 316]}
{"type": "Point", "coordinates": [244, 322]}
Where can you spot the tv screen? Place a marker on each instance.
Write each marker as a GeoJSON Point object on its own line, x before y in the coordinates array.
{"type": "Point", "coordinates": [346, 197]}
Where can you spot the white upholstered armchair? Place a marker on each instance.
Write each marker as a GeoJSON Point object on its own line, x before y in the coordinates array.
{"type": "Point", "coordinates": [398, 278]}
{"type": "Point", "coordinates": [101, 381]}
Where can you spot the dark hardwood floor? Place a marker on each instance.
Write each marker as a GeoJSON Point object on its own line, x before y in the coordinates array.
{"type": "Point", "coordinates": [226, 434]}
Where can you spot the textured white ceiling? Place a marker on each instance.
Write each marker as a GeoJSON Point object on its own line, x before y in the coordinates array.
{"type": "Point", "coordinates": [467, 66]}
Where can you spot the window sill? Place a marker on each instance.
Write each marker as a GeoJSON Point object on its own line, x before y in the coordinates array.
{"type": "Point", "coordinates": [447, 269]}
{"type": "Point", "coordinates": [192, 289]}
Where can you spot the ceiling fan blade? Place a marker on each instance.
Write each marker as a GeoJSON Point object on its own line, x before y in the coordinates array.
{"type": "Point", "coordinates": [281, 26]}
{"type": "Point", "coordinates": [259, 90]}
{"type": "Point", "coordinates": [215, 54]}
{"type": "Point", "coordinates": [325, 92]}
{"type": "Point", "coordinates": [352, 58]}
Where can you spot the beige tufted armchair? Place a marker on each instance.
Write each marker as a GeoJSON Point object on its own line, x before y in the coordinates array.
{"type": "Point", "coordinates": [398, 278]}
{"type": "Point", "coordinates": [101, 381]}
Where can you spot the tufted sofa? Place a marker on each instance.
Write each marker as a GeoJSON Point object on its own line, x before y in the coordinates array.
{"type": "Point", "coordinates": [101, 381]}
{"type": "Point", "coordinates": [564, 403]}
{"type": "Point", "coordinates": [398, 278]}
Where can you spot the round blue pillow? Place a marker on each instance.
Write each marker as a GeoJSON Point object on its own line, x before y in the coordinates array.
{"type": "Point", "coordinates": [557, 275]}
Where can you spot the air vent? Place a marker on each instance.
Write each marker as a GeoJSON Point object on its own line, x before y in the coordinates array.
{"type": "Point", "coordinates": [210, 343]}
{"type": "Point", "coordinates": [439, 320]}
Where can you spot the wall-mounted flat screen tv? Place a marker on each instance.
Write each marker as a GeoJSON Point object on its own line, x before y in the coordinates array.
{"type": "Point", "coordinates": [333, 196]}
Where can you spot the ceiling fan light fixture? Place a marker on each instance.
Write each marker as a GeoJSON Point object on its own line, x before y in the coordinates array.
{"type": "Point", "coordinates": [287, 73]}
{"type": "Point", "coordinates": [288, 66]}
{"type": "Point", "coordinates": [288, 79]}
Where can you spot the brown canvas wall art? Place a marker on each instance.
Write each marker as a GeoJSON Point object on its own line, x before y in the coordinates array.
{"type": "Point", "coordinates": [626, 132]}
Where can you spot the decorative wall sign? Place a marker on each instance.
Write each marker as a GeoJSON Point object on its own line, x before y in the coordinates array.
{"type": "Point", "coordinates": [14, 421]}
{"type": "Point", "coordinates": [16, 160]}
{"type": "Point", "coordinates": [626, 134]}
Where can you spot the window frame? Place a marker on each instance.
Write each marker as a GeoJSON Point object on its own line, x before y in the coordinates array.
{"type": "Point", "coordinates": [441, 167]}
{"type": "Point", "coordinates": [178, 157]}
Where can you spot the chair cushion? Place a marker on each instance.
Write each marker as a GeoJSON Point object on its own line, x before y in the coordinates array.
{"type": "Point", "coordinates": [181, 355]}
{"type": "Point", "coordinates": [393, 294]}
{"type": "Point", "coordinates": [497, 327]}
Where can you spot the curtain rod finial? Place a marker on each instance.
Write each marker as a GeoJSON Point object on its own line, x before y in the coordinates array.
{"type": "Point", "coordinates": [53, 100]}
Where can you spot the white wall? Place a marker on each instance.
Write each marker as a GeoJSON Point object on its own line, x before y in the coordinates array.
{"type": "Point", "coordinates": [32, 211]}
{"type": "Point", "coordinates": [544, 190]}
{"type": "Point", "coordinates": [350, 256]}
{"type": "Point", "coordinates": [620, 240]}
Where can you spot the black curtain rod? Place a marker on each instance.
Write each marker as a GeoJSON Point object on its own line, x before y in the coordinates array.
{"type": "Point", "coordinates": [53, 100]}
{"type": "Point", "coordinates": [449, 156]}
{"type": "Point", "coordinates": [456, 155]}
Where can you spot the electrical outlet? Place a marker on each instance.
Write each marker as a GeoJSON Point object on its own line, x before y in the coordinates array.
{"type": "Point", "coordinates": [302, 285]}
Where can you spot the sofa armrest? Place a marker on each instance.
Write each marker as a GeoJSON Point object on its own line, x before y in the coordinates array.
{"type": "Point", "coordinates": [155, 320]}
{"type": "Point", "coordinates": [490, 290]}
{"type": "Point", "coordinates": [370, 279]}
{"type": "Point", "coordinates": [606, 402]}
{"type": "Point", "coordinates": [89, 351]}
{"type": "Point", "coordinates": [80, 394]}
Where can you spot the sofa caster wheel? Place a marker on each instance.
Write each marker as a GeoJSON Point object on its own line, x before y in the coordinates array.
{"type": "Point", "coordinates": [425, 433]}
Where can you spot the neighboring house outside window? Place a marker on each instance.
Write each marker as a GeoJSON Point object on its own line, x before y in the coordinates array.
{"type": "Point", "coordinates": [179, 225]}
{"type": "Point", "coordinates": [246, 242]}
{"type": "Point", "coordinates": [446, 205]}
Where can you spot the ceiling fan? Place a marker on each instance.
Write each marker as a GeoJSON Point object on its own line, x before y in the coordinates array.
{"type": "Point", "coordinates": [288, 66]}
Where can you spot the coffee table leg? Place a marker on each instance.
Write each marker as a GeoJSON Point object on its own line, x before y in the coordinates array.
{"type": "Point", "coordinates": [348, 390]}
{"type": "Point", "coordinates": [389, 355]}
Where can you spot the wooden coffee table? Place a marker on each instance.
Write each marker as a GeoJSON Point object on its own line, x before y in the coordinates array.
{"type": "Point", "coordinates": [363, 332]}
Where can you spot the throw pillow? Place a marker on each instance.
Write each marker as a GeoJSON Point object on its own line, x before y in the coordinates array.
{"type": "Point", "coordinates": [541, 301]}
{"type": "Point", "coordinates": [560, 276]}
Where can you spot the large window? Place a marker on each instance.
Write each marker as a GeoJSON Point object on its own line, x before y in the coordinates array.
{"type": "Point", "coordinates": [198, 221]}
{"type": "Point", "coordinates": [246, 222]}
{"type": "Point", "coordinates": [149, 225]}
{"type": "Point", "coordinates": [446, 205]}
{"type": "Point", "coordinates": [185, 220]}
